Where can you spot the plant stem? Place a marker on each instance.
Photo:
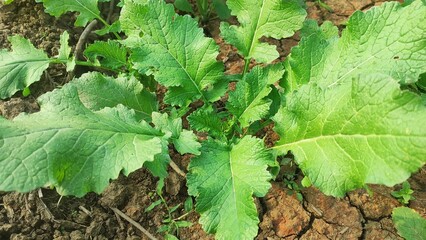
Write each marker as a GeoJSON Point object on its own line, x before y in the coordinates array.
{"type": "Point", "coordinates": [82, 63]}
{"type": "Point", "coordinates": [107, 25]}
{"type": "Point", "coordinates": [246, 66]}
{"type": "Point", "coordinates": [325, 6]}
{"type": "Point", "coordinates": [184, 215]}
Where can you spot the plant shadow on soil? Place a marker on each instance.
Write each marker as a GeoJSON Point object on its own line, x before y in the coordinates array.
{"type": "Point", "coordinates": [30, 216]}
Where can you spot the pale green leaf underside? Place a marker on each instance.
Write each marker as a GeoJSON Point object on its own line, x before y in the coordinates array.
{"type": "Point", "coordinates": [389, 39]}
{"type": "Point", "coordinates": [248, 103]}
{"type": "Point", "coordinates": [224, 180]}
{"type": "Point", "coordinates": [175, 50]}
{"type": "Point", "coordinates": [72, 148]}
{"type": "Point", "coordinates": [262, 18]}
{"type": "Point", "coordinates": [367, 131]}
{"type": "Point", "coordinates": [87, 9]}
{"type": "Point", "coordinates": [64, 50]}
{"type": "Point", "coordinates": [21, 67]}
{"type": "Point", "coordinates": [97, 91]}
{"type": "Point", "coordinates": [409, 223]}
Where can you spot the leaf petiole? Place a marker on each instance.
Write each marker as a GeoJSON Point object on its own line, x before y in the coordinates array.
{"type": "Point", "coordinates": [82, 63]}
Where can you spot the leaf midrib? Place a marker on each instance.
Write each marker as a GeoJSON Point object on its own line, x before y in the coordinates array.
{"type": "Point", "coordinates": [255, 100]}
{"type": "Point", "coordinates": [253, 37]}
{"type": "Point", "coordinates": [25, 61]}
{"type": "Point", "coordinates": [76, 129]}
{"type": "Point", "coordinates": [167, 50]}
{"type": "Point", "coordinates": [233, 189]}
{"type": "Point", "coordinates": [323, 137]}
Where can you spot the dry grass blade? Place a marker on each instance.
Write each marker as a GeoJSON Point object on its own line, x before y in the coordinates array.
{"type": "Point", "coordinates": [134, 223]}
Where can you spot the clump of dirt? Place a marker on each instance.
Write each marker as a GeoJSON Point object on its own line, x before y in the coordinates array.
{"type": "Point", "coordinates": [285, 215]}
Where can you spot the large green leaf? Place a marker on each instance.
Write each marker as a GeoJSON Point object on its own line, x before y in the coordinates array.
{"type": "Point", "coordinates": [72, 148]}
{"type": "Point", "coordinates": [88, 9]}
{"type": "Point", "coordinates": [97, 91]}
{"type": "Point", "coordinates": [410, 225]}
{"type": "Point", "coordinates": [262, 18]}
{"type": "Point", "coordinates": [364, 131]}
{"type": "Point", "coordinates": [175, 50]}
{"type": "Point", "coordinates": [390, 39]}
{"type": "Point", "coordinates": [248, 102]}
{"type": "Point", "coordinates": [21, 67]}
{"type": "Point", "coordinates": [224, 179]}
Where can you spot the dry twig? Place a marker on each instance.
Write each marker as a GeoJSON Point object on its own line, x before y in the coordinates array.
{"type": "Point", "coordinates": [134, 223]}
{"type": "Point", "coordinates": [85, 210]}
{"type": "Point", "coordinates": [78, 52]}
{"type": "Point", "coordinates": [176, 168]}
{"type": "Point", "coordinates": [110, 11]}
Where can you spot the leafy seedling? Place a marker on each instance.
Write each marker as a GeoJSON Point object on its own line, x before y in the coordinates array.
{"type": "Point", "coordinates": [404, 195]}
{"type": "Point", "coordinates": [170, 225]}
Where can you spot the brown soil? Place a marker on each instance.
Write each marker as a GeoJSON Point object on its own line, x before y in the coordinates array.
{"type": "Point", "coordinates": [43, 214]}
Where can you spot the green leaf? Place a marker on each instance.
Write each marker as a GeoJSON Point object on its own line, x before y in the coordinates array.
{"type": "Point", "coordinates": [26, 92]}
{"type": "Point", "coordinates": [97, 91]}
{"type": "Point", "coordinates": [409, 223]}
{"type": "Point", "coordinates": [307, 58]}
{"type": "Point", "coordinates": [64, 50]}
{"type": "Point", "coordinates": [188, 204]}
{"type": "Point", "coordinates": [21, 67]}
{"type": "Point", "coordinates": [223, 12]}
{"type": "Point", "coordinates": [174, 49]}
{"type": "Point", "coordinates": [205, 119]}
{"type": "Point", "coordinates": [8, 1]}
{"type": "Point", "coordinates": [109, 54]}
{"type": "Point", "coordinates": [389, 39]}
{"type": "Point", "coordinates": [187, 143]}
{"type": "Point", "coordinates": [364, 131]}
{"type": "Point", "coordinates": [171, 237]}
{"type": "Point", "coordinates": [183, 224]}
{"type": "Point", "coordinates": [67, 146]}
{"type": "Point", "coordinates": [173, 209]}
{"type": "Point", "coordinates": [267, 18]}
{"type": "Point", "coordinates": [163, 228]}
{"type": "Point", "coordinates": [184, 141]}
{"type": "Point", "coordinates": [153, 205]}
{"type": "Point", "coordinates": [170, 125]}
{"type": "Point", "coordinates": [87, 9]}
{"type": "Point", "coordinates": [183, 5]}
{"type": "Point", "coordinates": [159, 166]}
{"type": "Point", "coordinates": [115, 27]}
{"type": "Point", "coordinates": [224, 179]}
{"type": "Point", "coordinates": [249, 102]}
{"type": "Point", "coordinates": [160, 186]}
